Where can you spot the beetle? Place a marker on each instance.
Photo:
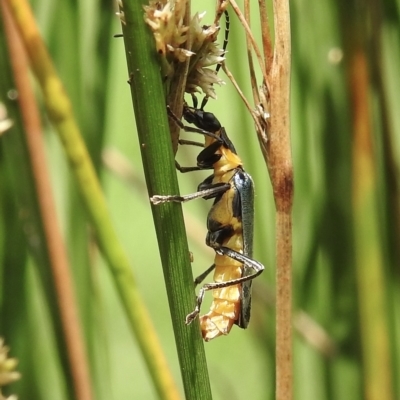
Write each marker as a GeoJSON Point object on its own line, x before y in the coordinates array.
{"type": "Point", "coordinates": [230, 225]}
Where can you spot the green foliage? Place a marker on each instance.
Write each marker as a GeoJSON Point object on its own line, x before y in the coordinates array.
{"type": "Point", "coordinates": [346, 219]}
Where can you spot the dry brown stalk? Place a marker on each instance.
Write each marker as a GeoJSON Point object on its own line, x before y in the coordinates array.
{"type": "Point", "coordinates": [272, 121]}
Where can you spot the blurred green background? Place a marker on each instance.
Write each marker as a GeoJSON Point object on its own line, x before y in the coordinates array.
{"type": "Point", "coordinates": [346, 266]}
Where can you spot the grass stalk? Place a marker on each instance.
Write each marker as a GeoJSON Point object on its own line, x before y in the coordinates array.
{"type": "Point", "coordinates": [281, 173]}
{"type": "Point", "coordinates": [158, 161]}
{"type": "Point", "coordinates": [274, 136]}
{"type": "Point", "coordinates": [369, 258]}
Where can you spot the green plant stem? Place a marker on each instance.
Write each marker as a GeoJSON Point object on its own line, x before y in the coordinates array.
{"type": "Point", "coordinates": [369, 259]}
{"type": "Point", "coordinates": [158, 162]}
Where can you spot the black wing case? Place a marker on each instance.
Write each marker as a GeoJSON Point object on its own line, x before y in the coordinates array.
{"type": "Point", "coordinates": [245, 186]}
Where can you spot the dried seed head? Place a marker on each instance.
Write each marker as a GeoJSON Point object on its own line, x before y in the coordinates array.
{"type": "Point", "coordinates": [120, 14]}
{"type": "Point", "coordinates": [7, 367]}
{"type": "Point", "coordinates": [203, 78]}
{"type": "Point", "coordinates": [165, 19]}
{"type": "Point", "coordinates": [207, 54]}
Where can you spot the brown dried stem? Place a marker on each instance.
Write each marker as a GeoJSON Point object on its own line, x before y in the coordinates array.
{"type": "Point", "coordinates": [281, 172]}
{"type": "Point", "coordinates": [272, 114]}
{"type": "Point", "coordinates": [252, 71]}
{"type": "Point", "coordinates": [250, 36]}
{"type": "Point", "coordinates": [176, 95]}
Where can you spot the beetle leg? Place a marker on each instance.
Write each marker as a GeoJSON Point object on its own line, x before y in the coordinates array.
{"type": "Point", "coordinates": [256, 267]}
{"type": "Point", "coordinates": [203, 276]}
{"type": "Point", "coordinates": [210, 192]}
